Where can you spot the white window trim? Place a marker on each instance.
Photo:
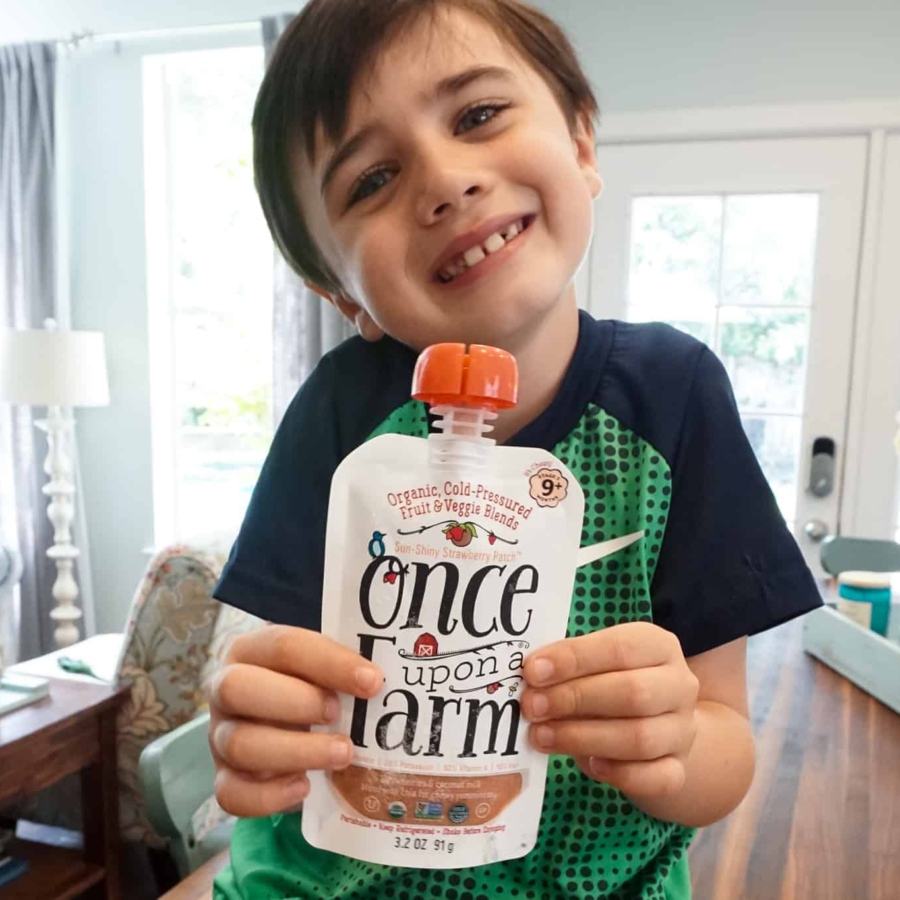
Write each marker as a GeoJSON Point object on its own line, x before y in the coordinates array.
{"type": "Point", "coordinates": [729, 123]}
{"type": "Point", "coordinates": [171, 40]}
{"type": "Point", "coordinates": [875, 398]}
{"type": "Point", "coordinates": [868, 507]}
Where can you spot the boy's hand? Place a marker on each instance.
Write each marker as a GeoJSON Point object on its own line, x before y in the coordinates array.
{"type": "Point", "coordinates": [621, 701]}
{"type": "Point", "coordinates": [275, 683]}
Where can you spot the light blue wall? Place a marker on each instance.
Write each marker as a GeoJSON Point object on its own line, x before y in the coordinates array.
{"type": "Point", "coordinates": [656, 54]}
{"type": "Point", "coordinates": [642, 55]}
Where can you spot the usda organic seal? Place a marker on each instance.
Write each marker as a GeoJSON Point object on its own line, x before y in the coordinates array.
{"type": "Point", "coordinates": [397, 810]}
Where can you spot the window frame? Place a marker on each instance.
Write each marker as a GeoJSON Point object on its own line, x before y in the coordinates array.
{"type": "Point", "coordinates": [161, 320]}
{"type": "Point", "coordinates": [872, 474]}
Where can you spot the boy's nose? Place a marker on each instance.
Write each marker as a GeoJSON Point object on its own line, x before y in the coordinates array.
{"type": "Point", "coordinates": [453, 195]}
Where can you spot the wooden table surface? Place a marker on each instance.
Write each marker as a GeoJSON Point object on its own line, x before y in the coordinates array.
{"type": "Point", "coordinates": [822, 820]}
{"type": "Point", "coordinates": [67, 699]}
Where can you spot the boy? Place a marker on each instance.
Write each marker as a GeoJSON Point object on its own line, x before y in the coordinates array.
{"type": "Point", "coordinates": [429, 168]}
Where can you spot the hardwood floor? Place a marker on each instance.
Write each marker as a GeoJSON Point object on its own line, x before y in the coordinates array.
{"type": "Point", "coordinates": [822, 820]}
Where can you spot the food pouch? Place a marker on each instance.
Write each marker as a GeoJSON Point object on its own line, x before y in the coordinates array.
{"type": "Point", "coordinates": [448, 561]}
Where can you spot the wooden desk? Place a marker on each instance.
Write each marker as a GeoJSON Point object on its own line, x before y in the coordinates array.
{"type": "Point", "coordinates": [822, 819]}
{"type": "Point", "coordinates": [72, 730]}
{"type": "Point", "coordinates": [198, 885]}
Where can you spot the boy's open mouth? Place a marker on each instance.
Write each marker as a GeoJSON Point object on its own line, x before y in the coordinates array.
{"type": "Point", "coordinates": [480, 251]}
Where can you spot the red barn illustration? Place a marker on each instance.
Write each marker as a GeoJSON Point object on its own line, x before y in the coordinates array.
{"type": "Point", "coordinates": [426, 645]}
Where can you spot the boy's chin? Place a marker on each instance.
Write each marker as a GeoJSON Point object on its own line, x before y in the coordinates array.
{"type": "Point", "coordinates": [507, 329]}
{"type": "Point", "coordinates": [506, 316]}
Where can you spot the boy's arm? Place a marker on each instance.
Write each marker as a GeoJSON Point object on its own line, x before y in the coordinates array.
{"type": "Point", "coordinates": [720, 765]}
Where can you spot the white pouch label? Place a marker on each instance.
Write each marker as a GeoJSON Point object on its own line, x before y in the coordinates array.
{"type": "Point", "coordinates": [446, 578]}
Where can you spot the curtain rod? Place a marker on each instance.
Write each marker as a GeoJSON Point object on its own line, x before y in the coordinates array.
{"type": "Point", "coordinates": [89, 37]}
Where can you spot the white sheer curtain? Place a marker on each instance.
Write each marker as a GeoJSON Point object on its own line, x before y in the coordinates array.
{"type": "Point", "coordinates": [304, 325]}
{"type": "Point", "coordinates": [27, 297]}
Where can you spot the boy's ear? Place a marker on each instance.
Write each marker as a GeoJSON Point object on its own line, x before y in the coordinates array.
{"type": "Point", "coordinates": [583, 139]}
{"type": "Point", "coordinates": [325, 295]}
{"type": "Point", "coordinates": [352, 311]}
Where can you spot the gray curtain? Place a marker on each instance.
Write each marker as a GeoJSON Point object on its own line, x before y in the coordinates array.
{"type": "Point", "coordinates": [304, 325]}
{"type": "Point", "coordinates": [27, 297]}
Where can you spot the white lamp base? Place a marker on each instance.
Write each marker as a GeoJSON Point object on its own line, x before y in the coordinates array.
{"type": "Point", "coordinates": [60, 489]}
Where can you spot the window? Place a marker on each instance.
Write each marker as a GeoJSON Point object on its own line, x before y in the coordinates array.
{"type": "Point", "coordinates": [736, 271]}
{"type": "Point", "coordinates": [210, 286]}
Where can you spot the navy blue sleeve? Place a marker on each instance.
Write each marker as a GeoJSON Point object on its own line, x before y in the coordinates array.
{"type": "Point", "coordinates": [276, 566]}
{"type": "Point", "coordinates": [728, 564]}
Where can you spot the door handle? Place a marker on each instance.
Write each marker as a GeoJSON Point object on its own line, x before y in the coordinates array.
{"type": "Point", "coordinates": [821, 469]}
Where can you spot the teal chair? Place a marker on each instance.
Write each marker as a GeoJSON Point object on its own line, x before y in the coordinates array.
{"type": "Point", "coordinates": [177, 775]}
{"type": "Point", "coordinates": [846, 554]}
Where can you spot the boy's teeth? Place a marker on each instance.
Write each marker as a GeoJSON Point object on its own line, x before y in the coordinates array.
{"type": "Point", "coordinates": [474, 256]}
{"type": "Point", "coordinates": [494, 243]}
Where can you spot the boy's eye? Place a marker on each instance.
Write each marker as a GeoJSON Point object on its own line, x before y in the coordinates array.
{"type": "Point", "coordinates": [479, 115]}
{"type": "Point", "coordinates": [369, 183]}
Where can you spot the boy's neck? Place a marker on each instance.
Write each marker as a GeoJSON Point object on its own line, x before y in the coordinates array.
{"type": "Point", "coordinates": [543, 358]}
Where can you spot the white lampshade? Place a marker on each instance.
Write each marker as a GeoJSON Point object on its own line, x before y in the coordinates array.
{"type": "Point", "coordinates": [53, 368]}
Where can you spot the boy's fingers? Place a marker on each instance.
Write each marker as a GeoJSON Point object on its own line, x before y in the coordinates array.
{"type": "Point", "coordinates": [252, 692]}
{"type": "Point", "coordinates": [662, 777]}
{"type": "Point", "coordinates": [635, 693]}
{"type": "Point", "coordinates": [622, 739]}
{"type": "Point", "coordinates": [254, 747]}
{"type": "Point", "coordinates": [634, 645]}
{"type": "Point", "coordinates": [247, 797]}
{"type": "Point", "coordinates": [310, 656]}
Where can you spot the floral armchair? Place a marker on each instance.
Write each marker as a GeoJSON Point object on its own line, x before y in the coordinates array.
{"type": "Point", "coordinates": [175, 639]}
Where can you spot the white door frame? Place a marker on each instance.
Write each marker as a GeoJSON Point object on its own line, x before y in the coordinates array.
{"type": "Point", "coordinates": [870, 467]}
{"type": "Point", "coordinates": [871, 463]}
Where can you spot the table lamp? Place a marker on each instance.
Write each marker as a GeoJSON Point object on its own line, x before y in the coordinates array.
{"type": "Point", "coordinates": [57, 369]}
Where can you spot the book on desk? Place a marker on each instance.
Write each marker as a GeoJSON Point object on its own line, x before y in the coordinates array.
{"type": "Point", "coordinates": [17, 690]}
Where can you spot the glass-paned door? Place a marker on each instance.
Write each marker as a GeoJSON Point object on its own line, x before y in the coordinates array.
{"type": "Point", "coordinates": [751, 247]}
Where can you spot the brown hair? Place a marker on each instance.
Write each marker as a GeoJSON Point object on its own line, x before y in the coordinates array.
{"type": "Point", "coordinates": [312, 72]}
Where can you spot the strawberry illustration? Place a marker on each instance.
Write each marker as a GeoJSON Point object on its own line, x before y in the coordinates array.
{"type": "Point", "coordinates": [390, 577]}
{"type": "Point", "coordinates": [492, 539]}
{"type": "Point", "coordinates": [461, 534]}
{"type": "Point", "coordinates": [491, 688]}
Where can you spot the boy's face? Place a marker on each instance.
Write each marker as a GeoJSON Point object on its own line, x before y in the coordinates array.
{"type": "Point", "coordinates": [454, 143]}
